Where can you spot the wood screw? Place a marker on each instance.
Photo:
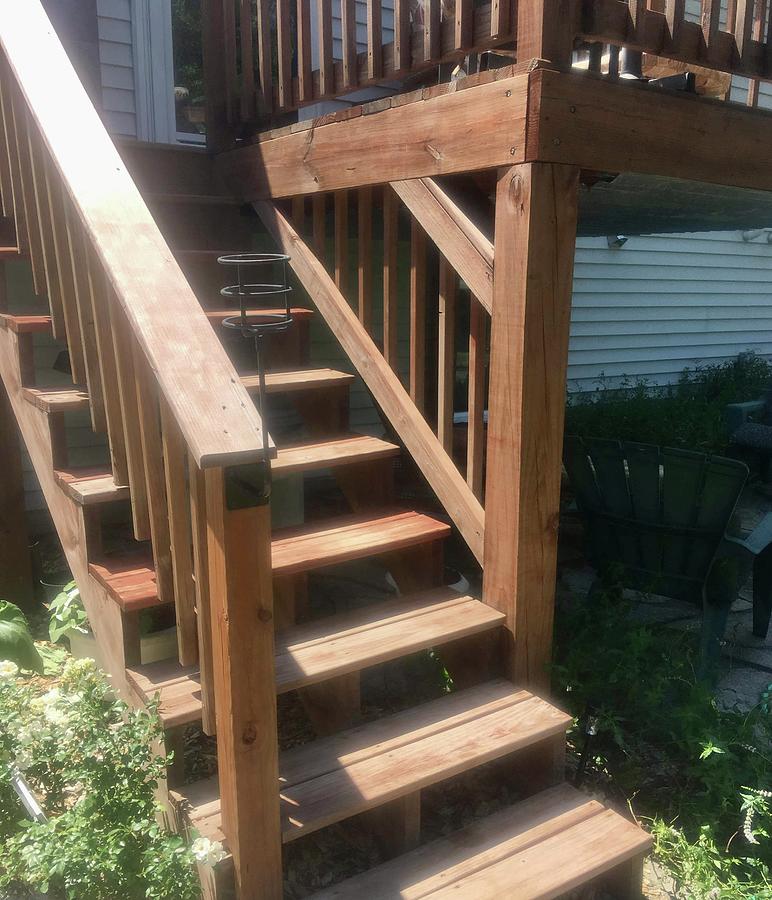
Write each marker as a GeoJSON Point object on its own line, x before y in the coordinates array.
{"type": "Point", "coordinates": [556, 142]}
{"type": "Point", "coordinates": [508, 94]}
{"type": "Point", "coordinates": [512, 151]}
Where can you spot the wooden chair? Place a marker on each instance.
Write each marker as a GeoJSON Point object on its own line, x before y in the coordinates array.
{"type": "Point", "coordinates": [661, 514]}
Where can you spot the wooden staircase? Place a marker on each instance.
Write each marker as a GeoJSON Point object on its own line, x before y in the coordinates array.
{"type": "Point", "coordinates": [248, 630]}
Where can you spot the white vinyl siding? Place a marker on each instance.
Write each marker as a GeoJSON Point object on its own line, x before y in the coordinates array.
{"type": "Point", "coordinates": [662, 303]}
{"type": "Point", "coordinates": [116, 59]}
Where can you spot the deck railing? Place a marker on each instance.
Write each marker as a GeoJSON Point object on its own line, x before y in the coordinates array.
{"type": "Point", "coordinates": [276, 57]}
{"type": "Point", "coordinates": [183, 434]}
{"type": "Point", "coordinates": [371, 326]}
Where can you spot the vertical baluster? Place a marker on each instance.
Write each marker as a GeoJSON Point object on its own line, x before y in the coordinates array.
{"type": "Point", "coordinates": [374, 40]}
{"type": "Point", "coordinates": [55, 212]}
{"type": "Point", "coordinates": [248, 92]}
{"type": "Point", "coordinates": [390, 295]}
{"type": "Point", "coordinates": [432, 36]}
{"type": "Point", "coordinates": [759, 23]}
{"type": "Point", "coordinates": [299, 214]}
{"type": "Point", "coordinates": [219, 131]}
{"type": "Point", "coordinates": [175, 468]}
{"type": "Point", "coordinates": [127, 392]}
{"type": "Point", "coordinates": [500, 17]}
{"type": "Point", "coordinates": [203, 611]}
{"type": "Point", "coordinates": [152, 456]}
{"type": "Point", "coordinates": [228, 51]}
{"type": "Point", "coordinates": [743, 25]}
{"type": "Point", "coordinates": [305, 78]}
{"type": "Point", "coordinates": [284, 52]}
{"type": "Point", "coordinates": [46, 234]}
{"type": "Point", "coordinates": [264, 62]}
{"type": "Point", "coordinates": [446, 363]}
{"type": "Point", "coordinates": [402, 54]}
{"type": "Point", "coordinates": [326, 69]}
{"type": "Point", "coordinates": [464, 24]}
{"type": "Point", "coordinates": [365, 256]}
{"type": "Point", "coordinates": [34, 241]}
{"type": "Point", "coordinates": [638, 15]}
{"type": "Point", "coordinates": [417, 315]}
{"type": "Point", "coordinates": [79, 266]}
{"type": "Point", "coordinates": [475, 426]}
{"type": "Point", "coordinates": [20, 222]}
{"type": "Point", "coordinates": [341, 240]}
{"type": "Point", "coordinates": [348, 26]}
{"type": "Point", "coordinates": [711, 14]}
{"type": "Point", "coordinates": [675, 10]}
{"type": "Point", "coordinates": [318, 212]}
{"type": "Point", "coordinates": [106, 354]}
{"type": "Point", "coordinates": [6, 181]}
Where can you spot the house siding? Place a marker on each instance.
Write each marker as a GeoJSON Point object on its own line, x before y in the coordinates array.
{"type": "Point", "coordinates": [116, 58]}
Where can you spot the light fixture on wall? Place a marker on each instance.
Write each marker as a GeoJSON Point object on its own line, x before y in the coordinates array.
{"type": "Point", "coordinates": [764, 233]}
{"type": "Point", "coordinates": [616, 241]}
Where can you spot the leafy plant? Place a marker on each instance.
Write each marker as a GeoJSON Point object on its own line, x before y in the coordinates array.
{"type": "Point", "coordinates": [648, 730]}
{"type": "Point", "coordinates": [67, 613]}
{"type": "Point", "coordinates": [689, 414]}
{"type": "Point", "coordinates": [15, 640]}
{"type": "Point", "coordinates": [90, 761]}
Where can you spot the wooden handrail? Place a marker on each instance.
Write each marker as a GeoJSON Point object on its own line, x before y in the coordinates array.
{"type": "Point", "coordinates": [218, 421]}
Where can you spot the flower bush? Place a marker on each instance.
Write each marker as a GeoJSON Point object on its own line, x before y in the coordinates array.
{"type": "Point", "coordinates": [89, 760]}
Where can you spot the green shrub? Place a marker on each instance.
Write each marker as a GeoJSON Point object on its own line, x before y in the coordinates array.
{"type": "Point", "coordinates": [88, 758]}
{"type": "Point", "coordinates": [699, 775]}
{"type": "Point", "coordinates": [689, 414]}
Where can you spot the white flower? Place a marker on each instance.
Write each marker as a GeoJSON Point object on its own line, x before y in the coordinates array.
{"type": "Point", "coordinates": [8, 669]}
{"type": "Point", "coordinates": [23, 759]}
{"type": "Point", "coordinates": [207, 852]}
{"type": "Point", "coordinates": [77, 668]}
{"type": "Point", "coordinates": [55, 716]}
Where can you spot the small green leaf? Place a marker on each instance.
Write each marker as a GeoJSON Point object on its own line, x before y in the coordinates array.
{"type": "Point", "coordinates": [15, 639]}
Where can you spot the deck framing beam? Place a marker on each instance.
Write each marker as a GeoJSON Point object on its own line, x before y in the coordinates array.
{"type": "Point", "coordinates": [538, 115]}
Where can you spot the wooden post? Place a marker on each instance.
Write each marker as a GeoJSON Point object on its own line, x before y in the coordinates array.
{"type": "Point", "coordinates": [15, 563]}
{"type": "Point", "coordinates": [239, 544]}
{"type": "Point", "coordinates": [536, 211]}
{"type": "Point", "coordinates": [545, 30]}
{"type": "Point", "coordinates": [219, 130]}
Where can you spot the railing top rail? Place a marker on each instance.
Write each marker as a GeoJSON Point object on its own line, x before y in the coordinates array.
{"type": "Point", "coordinates": [215, 414]}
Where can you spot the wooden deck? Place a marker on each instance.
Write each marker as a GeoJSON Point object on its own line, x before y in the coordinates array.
{"type": "Point", "coordinates": [444, 216]}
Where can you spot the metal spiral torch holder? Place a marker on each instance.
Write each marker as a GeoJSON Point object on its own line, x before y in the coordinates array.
{"type": "Point", "coordinates": [264, 310]}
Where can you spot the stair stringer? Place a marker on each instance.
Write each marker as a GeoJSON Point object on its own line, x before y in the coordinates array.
{"type": "Point", "coordinates": [104, 616]}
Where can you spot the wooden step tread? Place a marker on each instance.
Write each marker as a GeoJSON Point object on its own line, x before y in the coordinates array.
{"type": "Point", "coordinates": [296, 380]}
{"type": "Point", "coordinates": [337, 777]}
{"type": "Point", "coordinates": [542, 847]}
{"type": "Point", "coordinates": [90, 486]}
{"type": "Point", "coordinates": [129, 580]}
{"type": "Point", "coordinates": [25, 324]}
{"type": "Point", "coordinates": [347, 642]}
{"type": "Point", "coordinates": [345, 538]}
{"type": "Point", "coordinates": [56, 399]}
{"type": "Point", "coordinates": [326, 454]}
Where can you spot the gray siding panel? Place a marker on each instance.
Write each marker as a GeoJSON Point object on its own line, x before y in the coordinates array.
{"type": "Point", "coordinates": [117, 66]}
